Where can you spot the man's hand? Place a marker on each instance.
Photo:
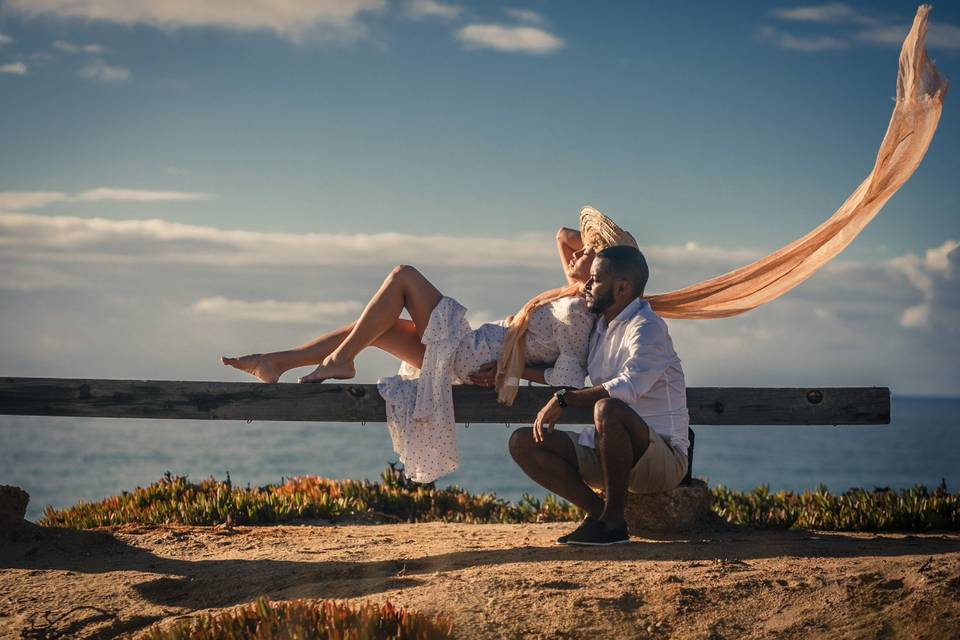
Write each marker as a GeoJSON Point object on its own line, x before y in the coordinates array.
{"type": "Point", "coordinates": [486, 375]}
{"type": "Point", "coordinates": [548, 416]}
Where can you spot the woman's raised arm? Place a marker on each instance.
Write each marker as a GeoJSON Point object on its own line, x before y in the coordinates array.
{"type": "Point", "coordinates": [568, 243]}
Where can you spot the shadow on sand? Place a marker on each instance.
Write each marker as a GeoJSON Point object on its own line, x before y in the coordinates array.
{"type": "Point", "coordinates": [218, 583]}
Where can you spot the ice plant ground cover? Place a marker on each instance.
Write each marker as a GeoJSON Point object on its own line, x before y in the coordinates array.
{"type": "Point", "coordinates": [176, 500]}
{"type": "Point", "coordinates": [266, 620]}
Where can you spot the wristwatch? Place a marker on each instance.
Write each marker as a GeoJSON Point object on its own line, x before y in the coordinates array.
{"type": "Point", "coordinates": [561, 397]}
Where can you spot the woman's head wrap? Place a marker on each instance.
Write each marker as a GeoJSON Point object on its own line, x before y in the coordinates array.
{"type": "Point", "coordinates": [599, 231]}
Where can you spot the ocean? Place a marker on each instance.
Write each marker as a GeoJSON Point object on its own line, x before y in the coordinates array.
{"type": "Point", "coordinates": [60, 461]}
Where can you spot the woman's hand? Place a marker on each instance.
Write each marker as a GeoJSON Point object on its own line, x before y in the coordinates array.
{"type": "Point", "coordinates": [486, 375]}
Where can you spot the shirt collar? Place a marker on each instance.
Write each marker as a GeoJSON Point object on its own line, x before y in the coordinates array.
{"type": "Point", "coordinates": [628, 312]}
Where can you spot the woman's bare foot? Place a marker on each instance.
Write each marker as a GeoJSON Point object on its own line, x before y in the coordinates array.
{"type": "Point", "coordinates": [330, 369]}
{"type": "Point", "coordinates": [255, 364]}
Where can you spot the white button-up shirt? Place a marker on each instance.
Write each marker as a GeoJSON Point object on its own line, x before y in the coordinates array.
{"type": "Point", "coordinates": [633, 359]}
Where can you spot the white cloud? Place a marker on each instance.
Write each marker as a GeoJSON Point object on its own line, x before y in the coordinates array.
{"type": "Point", "coordinates": [835, 12]}
{"type": "Point", "coordinates": [31, 200]}
{"type": "Point", "coordinates": [179, 283]}
{"type": "Point", "coordinates": [41, 56]}
{"type": "Point", "coordinates": [287, 312]}
{"type": "Point", "coordinates": [100, 71]}
{"type": "Point", "coordinates": [5, 39]}
{"type": "Point", "coordinates": [874, 30]}
{"type": "Point", "coordinates": [419, 9]}
{"type": "Point", "coordinates": [805, 44]}
{"type": "Point", "coordinates": [884, 35]}
{"type": "Point", "coordinates": [940, 36]}
{"type": "Point", "coordinates": [69, 47]}
{"type": "Point", "coordinates": [99, 240]}
{"type": "Point", "coordinates": [293, 19]}
{"type": "Point", "coordinates": [27, 200]}
{"type": "Point", "coordinates": [525, 15]}
{"type": "Point", "coordinates": [101, 194]}
{"type": "Point", "coordinates": [937, 277]}
{"type": "Point", "coordinates": [944, 36]}
{"type": "Point", "coordinates": [510, 39]}
{"type": "Point", "coordinates": [14, 68]}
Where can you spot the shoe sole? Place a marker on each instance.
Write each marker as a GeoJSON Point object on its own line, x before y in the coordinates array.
{"type": "Point", "coordinates": [595, 544]}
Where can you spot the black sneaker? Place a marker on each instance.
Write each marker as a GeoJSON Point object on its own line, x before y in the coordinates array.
{"type": "Point", "coordinates": [563, 539]}
{"type": "Point", "coordinates": [596, 534]}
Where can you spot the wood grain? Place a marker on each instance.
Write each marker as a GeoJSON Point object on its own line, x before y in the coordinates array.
{"type": "Point", "coordinates": [192, 400]}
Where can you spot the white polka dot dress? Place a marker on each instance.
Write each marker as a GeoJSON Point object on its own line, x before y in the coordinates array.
{"type": "Point", "coordinates": [419, 404]}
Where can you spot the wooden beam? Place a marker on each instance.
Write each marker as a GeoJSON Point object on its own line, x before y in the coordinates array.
{"type": "Point", "coordinates": [361, 402]}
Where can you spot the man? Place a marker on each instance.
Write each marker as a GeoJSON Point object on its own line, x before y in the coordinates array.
{"type": "Point", "coordinates": [639, 439]}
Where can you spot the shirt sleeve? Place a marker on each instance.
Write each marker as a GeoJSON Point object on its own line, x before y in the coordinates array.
{"type": "Point", "coordinates": [572, 333]}
{"type": "Point", "coordinates": [644, 366]}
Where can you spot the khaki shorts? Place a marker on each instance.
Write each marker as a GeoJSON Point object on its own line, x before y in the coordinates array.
{"type": "Point", "coordinates": [660, 468]}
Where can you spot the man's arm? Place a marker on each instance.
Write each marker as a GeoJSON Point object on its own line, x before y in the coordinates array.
{"type": "Point", "coordinates": [552, 411]}
{"type": "Point", "coordinates": [585, 397]}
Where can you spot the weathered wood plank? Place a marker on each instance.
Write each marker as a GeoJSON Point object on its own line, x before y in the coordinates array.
{"type": "Point", "coordinates": [361, 402]}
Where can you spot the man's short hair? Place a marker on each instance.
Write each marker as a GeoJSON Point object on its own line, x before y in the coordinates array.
{"type": "Point", "coordinates": [627, 263]}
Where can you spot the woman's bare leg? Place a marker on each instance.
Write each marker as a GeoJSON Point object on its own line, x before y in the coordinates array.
{"type": "Point", "coordinates": [401, 341]}
{"type": "Point", "coordinates": [404, 288]}
{"type": "Point", "coordinates": [268, 367]}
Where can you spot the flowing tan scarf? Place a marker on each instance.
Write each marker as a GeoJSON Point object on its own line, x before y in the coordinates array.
{"type": "Point", "coordinates": [920, 92]}
{"type": "Point", "coordinates": [919, 102]}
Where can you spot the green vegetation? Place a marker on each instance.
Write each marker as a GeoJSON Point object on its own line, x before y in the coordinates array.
{"type": "Point", "coordinates": [175, 500]}
{"type": "Point", "coordinates": [915, 509]}
{"type": "Point", "coordinates": [265, 620]}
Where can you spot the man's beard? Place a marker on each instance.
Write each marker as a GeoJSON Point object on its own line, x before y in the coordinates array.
{"type": "Point", "coordinates": [599, 305]}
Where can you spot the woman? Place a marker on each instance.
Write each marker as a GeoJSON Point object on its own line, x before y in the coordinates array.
{"type": "Point", "coordinates": [545, 342]}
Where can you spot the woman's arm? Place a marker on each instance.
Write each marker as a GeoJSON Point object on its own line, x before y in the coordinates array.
{"type": "Point", "coordinates": [487, 374]}
{"type": "Point", "coordinates": [568, 242]}
{"type": "Point", "coordinates": [534, 373]}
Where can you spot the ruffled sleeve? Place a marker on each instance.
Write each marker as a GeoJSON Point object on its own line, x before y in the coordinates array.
{"type": "Point", "coordinates": [572, 327]}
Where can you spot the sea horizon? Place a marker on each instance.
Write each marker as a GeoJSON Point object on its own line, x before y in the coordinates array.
{"type": "Point", "coordinates": [93, 458]}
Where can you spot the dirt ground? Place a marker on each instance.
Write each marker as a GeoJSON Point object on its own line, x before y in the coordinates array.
{"type": "Point", "coordinates": [493, 581]}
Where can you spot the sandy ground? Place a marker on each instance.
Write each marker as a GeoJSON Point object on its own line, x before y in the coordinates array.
{"type": "Point", "coordinates": [493, 581]}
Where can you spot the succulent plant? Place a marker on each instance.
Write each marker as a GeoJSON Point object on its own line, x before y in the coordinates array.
{"type": "Point", "coordinates": [326, 619]}
{"type": "Point", "coordinates": [175, 500]}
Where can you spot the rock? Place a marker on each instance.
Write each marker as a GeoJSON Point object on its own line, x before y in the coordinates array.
{"type": "Point", "coordinates": [686, 508]}
{"type": "Point", "coordinates": [13, 507]}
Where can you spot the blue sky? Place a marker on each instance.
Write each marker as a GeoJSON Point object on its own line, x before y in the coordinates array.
{"type": "Point", "coordinates": [715, 132]}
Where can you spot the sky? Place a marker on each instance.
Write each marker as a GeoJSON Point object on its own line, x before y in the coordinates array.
{"type": "Point", "coordinates": [184, 180]}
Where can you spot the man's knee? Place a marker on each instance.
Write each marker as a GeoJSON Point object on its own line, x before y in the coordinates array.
{"type": "Point", "coordinates": [607, 412]}
{"type": "Point", "coordinates": [521, 443]}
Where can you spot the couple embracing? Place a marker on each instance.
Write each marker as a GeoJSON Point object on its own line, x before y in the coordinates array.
{"type": "Point", "coordinates": [599, 324]}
